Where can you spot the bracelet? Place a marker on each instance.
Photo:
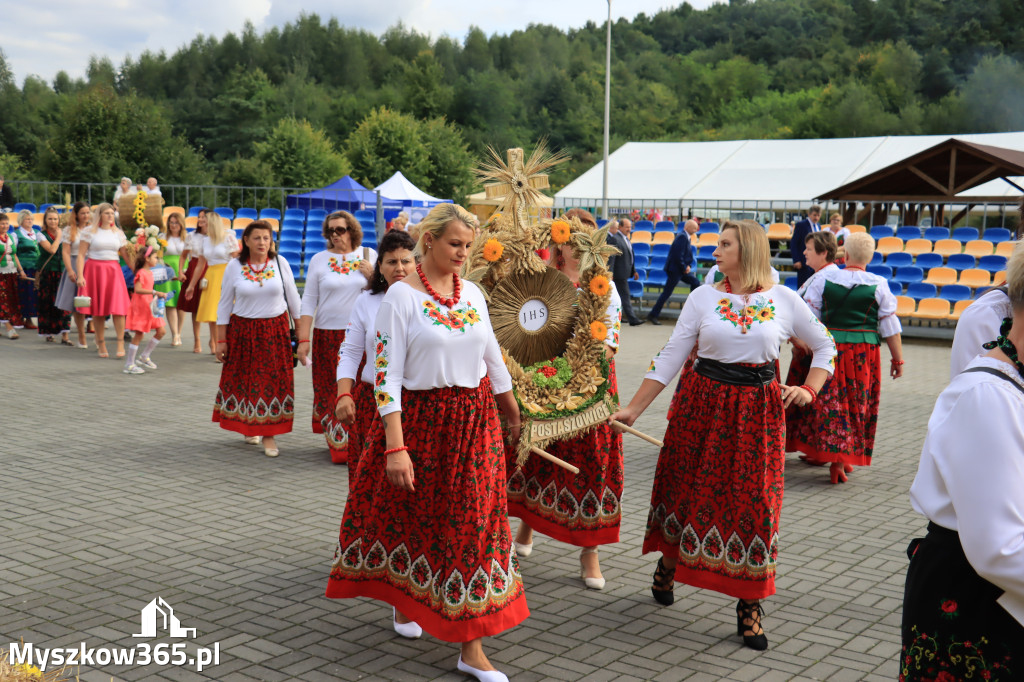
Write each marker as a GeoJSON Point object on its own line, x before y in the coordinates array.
{"type": "Point", "coordinates": [345, 395]}
{"type": "Point", "coordinates": [897, 362]}
{"type": "Point", "coordinates": [395, 450]}
{"type": "Point", "coordinates": [814, 394]}
{"type": "Point", "coordinates": [224, 342]}
{"type": "Point", "coordinates": [303, 341]}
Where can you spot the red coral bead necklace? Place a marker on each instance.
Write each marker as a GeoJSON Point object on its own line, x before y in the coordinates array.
{"type": "Point", "coordinates": [456, 290]}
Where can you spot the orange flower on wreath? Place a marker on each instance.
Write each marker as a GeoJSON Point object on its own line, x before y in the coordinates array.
{"type": "Point", "coordinates": [599, 285]}
{"type": "Point", "coordinates": [494, 218]}
{"type": "Point", "coordinates": [598, 330]}
{"type": "Point", "coordinates": [493, 250]}
{"type": "Point", "coordinates": [560, 232]}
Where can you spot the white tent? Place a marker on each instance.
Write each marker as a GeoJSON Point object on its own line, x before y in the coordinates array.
{"type": "Point", "coordinates": [398, 189]}
{"type": "Point", "coordinates": [754, 174]}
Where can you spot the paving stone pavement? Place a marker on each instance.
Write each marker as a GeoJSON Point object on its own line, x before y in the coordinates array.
{"type": "Point", "coordinates": [116, 489]}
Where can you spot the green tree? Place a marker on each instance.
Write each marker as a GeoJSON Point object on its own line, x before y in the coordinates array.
{"type": "Point", "coordinates": [449, 173]}
{"type": "Point", "coordinates": [301, 155]}
{"type": "Point", "coordinates": [239, 115]}
{"type": "Point", "coordinates": [384, 142]}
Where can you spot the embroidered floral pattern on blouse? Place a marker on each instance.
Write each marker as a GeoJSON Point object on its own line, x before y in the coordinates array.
{"type": "Point", "coordinates": [761, 310]}
{"type": "Point", "coordinates": [345, 267]}
{"type": "Point", "coordinates": [815, 321]}
{"type": "Point", "coordinates": [453, 320]}
{"type": "Point", "coordinates": [258, 276]}
{"type": "Point", "coordinates": [381, 363]}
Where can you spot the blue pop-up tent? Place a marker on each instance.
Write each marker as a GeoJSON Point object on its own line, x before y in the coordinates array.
{"type": "Point", "coordinates": [344, 195]}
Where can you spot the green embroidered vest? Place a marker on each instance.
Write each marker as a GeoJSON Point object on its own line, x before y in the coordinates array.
{"type": "Point", "coordinates": [28, 252]}
{"type": "Point", "coordinates": [850, 314]}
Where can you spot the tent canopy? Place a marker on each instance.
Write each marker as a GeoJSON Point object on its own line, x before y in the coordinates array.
{"type": "Point", "coordinates": [398, 189]}
{"type": "Point", "coordinates": [343, 195]}
{"type": "Point", "coordinates": [756, 172]}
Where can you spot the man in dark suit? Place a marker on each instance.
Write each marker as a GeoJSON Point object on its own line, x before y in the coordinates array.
{"type": "Point", "coordinates": [622, 269]}
{"type": "Point", "coordinates": [679, 267]}
{"type": "Point", "coordinates": [812, 223]}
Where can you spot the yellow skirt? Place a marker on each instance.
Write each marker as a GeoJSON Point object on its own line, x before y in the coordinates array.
{"type": "Point", "coordinates": [210, 299]}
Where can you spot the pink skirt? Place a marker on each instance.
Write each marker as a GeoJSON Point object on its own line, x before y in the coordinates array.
{"type": "Point", "coordinates": [104, 283]}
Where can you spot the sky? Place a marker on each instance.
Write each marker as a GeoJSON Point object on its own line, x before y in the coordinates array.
{"type": "Point", "coordinates": [62, 34]}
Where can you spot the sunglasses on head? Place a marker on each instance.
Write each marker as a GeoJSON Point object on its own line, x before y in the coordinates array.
{"type": "Point", "coordinates": [337, 230]}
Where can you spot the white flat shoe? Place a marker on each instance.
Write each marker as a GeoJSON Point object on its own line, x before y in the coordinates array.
{"type": "Point", "coordinates": [523, 550]}
{"type": "Point", "coordinates": [271, 452]}
{"type": "Point", "coordinates": [482, 675]}
{"type": "Point", "coordinates": [408, 630]}
{"type": "Point", "coordinates": [253, 440]}
{"type": "Point", "coordinates": [591, 583]}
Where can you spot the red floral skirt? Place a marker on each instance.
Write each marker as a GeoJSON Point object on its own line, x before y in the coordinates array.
{"type": "Point", "coordinates": [582, 510]}
{"type": "Point", "coordinates": [441, 555]}
{"type": "Point", "coordinates": [326, 344]}
{"type": "Point", "coordinates": [839, 426]}
{"type": "Point", "coordinates": [256, 396]}
{"type": "Point", "coordinates": [358, 432]}
{"type": "Point", "coordinates": [10, 309]}
{"type": "Point", "coordinates": [718, 487]}
{"type": "Point", "coordinates": [190, 305]}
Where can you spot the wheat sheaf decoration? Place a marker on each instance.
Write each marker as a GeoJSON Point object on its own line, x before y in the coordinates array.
{"type": "Point", "coordinates": [551, 330]}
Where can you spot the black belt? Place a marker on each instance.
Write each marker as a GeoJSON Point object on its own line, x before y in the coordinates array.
{"type": "Point", "coordinates": [738, 375]}
{"type": "Point", "coordinates": [943, 532]}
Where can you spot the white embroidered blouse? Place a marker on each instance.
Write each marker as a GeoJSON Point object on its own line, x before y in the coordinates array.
{"type": "Point", "coordinates": [716, 320]}
{"type": "Point", "coordinates": [359, 338]}
{"type": "Point", "coordinates": [256, 293]}
{"type": "Point", "coordinates": [813, 291]}
{"type": "Point", "coordinates": [333, 283]}
{"type": "Point", "coordinates": [978, 324]}
{"type": "Point", "coordinates": [420, 344]}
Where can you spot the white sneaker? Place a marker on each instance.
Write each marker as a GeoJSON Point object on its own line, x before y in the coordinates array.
{"type": "Point", "coordinates": [145, 362]}
{"type": "Point", "coordinates": [133, 369]}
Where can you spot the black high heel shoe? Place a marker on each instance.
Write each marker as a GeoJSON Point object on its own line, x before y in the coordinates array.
{"type": "Point", "coordinates": [750, 612]}
{"type": "Point", "coordinates": [664, 582]}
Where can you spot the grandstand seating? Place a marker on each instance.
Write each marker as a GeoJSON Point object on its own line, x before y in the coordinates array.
{"type": "Point", "coordinates": [270, 213]}
{"type": "Point", "coordinates": [876, 259]}
{"type": "Point", "coordinates": [640, 237]}
{"type": "Point", "coordinates": [905, 306]}
{"type": "Point", "coordinates": [1005, 249]}
{"type": "Point", "coordinates": [941, 276]}
{"type": "Point", "coordinates": [947, 247]}
{"type": "Point", "coordinates": [916, 247]}
{"type": "Point", "coordinates": [880, 270]}
{"type": "Point", "coordinates": [660, 249]}
{"type": "Point", "coordinates": [887, 245]}
{"type": "Point", "coordinates": [997, 235]}
{"type": "Point", "coordinates": [960, 261]}
{"type": "Point", "coordinates": [656, 278]}
{"type": "Point", "coordinates": [856, 228]}
{"type": "Point", "coordinates": [636, 288]}
{"type": "Point", "coordinates": [644, 225]}
{"type": "Point", "coordinates": [965, 234]}
{"type": "Point", "coordinates": [879, 231]}
{"type": "Point", "coordinates": [168, 210]}
{"type": "Point", "coordinates": [999, 278]}
{"type": "Point", "coordinates": [895, 287]}
{"type": "Point", "coordinates": [975, 278]}
{"type": "Point", "coordinates": [665, 226]}
{"type": "Point", "coordinates": [706, 253]}
{"type": "Point", "coordinates": [909, 275]}
{"type": "Point", "coordinates": [992, 263]}
{"type": "Point", "coordinates": [899, 259]}
{"type": "Point", "coordinates": [641, 262]}
{"type": "Point", "coordinates": [709, 226]}
{"type": "Point", "coordinates": [979, 248]}
{"type": "Point", "coordinates": [936, 233]}
{"type": "Point", "coordinates": [193, 211]}
{"type": "Point", "coordinates": [932, 309]}
{"type": "Point", "coordinates": [24, 206]}
{"type": "Point", "coordinates": [790, 282]}
{"type": "Point", "coordinates": [294, 213]}
{"type": "Point", "coordinates": [926, 261]}
{"type": "Point", "coordinates": [250, 213]}
{"type": "Point", "coordinates": [225, 212]}
{"type": "Point", "coordinates": [919, 290]}
{"type": "Point", "coordinates": [317, 214]}
{"type": "Point", "coordinates": [663, 238]}
{"type": "Point", "coordinates": [641, 249]}
{"type": "Point", "coordinates": [958, 308]}
{"type": "Point", "coordinates": [908, 232]}
{"type": "Point", "coordinates": [955, 292]}
{"type": "Point", "coordinates": [706, 239]}
{"type": "Point", "coordinates": [780, 231]}
{"type": "Point", "coordinates": [658, 262]}
{"type": "Point", "coordinates": [241, 223]}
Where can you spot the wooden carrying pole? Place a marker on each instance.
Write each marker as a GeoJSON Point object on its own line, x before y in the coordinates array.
{"type": "Point", "coordinates": [638, 434]}
{"type": "Point", "coordinates": [551, 458]}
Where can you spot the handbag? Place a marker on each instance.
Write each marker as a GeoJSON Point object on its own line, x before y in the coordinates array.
{"type": "Point", "coordinates": [39, 272]}
{"type": "Point", "coordinates": [203, 283]}
{"type": "Point", "coordinates": [293, 335]}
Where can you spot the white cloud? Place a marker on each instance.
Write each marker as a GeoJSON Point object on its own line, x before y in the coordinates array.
{"type": "Point", "coordinates": [63, 34]}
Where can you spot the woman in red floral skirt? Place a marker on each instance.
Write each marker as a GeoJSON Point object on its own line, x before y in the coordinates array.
{"type": "Point", "coordinates": [426, 528]}
{"type": "Point", "coordinates": [356, 408]}
{"type": "Point", "coordinates": [334, 280]}
{"type": "Point", "coordinates": [579, 509]}
{"type": "Point", "coordinates": [718, 486]}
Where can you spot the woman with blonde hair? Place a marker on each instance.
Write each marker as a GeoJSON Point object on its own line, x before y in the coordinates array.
{"type": "Point", "coordinates": [188, 299]}
{"type": "Point", "coordinates": [425, 528]}
{"type": "Point", "coordinates": [71, 241]}
{"type": "Point", "coordinates": [718, 486]}
{"type": "Point", "coordinates": [219, 247]}
{"type": "Point", "coordinates": [175, 236]}
{"type": "Point", "coordinates": [102, 280]}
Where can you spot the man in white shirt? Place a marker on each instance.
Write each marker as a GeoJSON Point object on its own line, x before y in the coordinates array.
{"type": "Point", "coordinates": [152, 188]}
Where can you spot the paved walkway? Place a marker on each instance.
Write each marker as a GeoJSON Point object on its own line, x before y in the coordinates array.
{"type": "Point", "coordinates": [118, 489]}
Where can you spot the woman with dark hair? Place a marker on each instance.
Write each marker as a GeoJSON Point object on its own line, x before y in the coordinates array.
{"type": "Point", "coordinates": [425, 528]}
{"type": "Point", "coordinates": [718, 487]}
{"type": "Point", "coordinates": [355, 407]}
{"type": "Point", "coordinates": [175, 236]}
{"type": "Point", "coordinates": [101, 280]}
{"type": "Point", "coordinates": [71, 242]}
{"type": "Point", "coordinates": [188, 299]}
{"type": "Point", "coordinates": [859, 310]}
{"type": "Point", "coordinates": [963, 605]}
{"type": "Point", "coordinates": [256, 396]}
{"type": "Point", "coordinates": [52, 320]}
{"type": "Point", "coordinates": [334, 279]}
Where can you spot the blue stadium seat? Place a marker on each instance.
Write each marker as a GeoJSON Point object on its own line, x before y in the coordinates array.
{"type": "Point", "coordinates": [290, 243]}
{"type": "Point", "coordinates": [225, 212]}
{"type": "Point", "coordinates": [895, 287]}
{"type": "Point", "coordinates": [317, 214]}
{"type": "Point", "coordinates": [899, 259]}
{"type": "Point", "coordinates": [876, 259]}
{"type": "Point", "coordinates": [709, 228]}
{"type": "Point", "coordinates": [644, 225]}
{"type": "Point", "coordinates": [365, 214]}
{"type": "Point", "coordinates": [880, 270]}
{"type": "Point", "coordinates": [43, 207]}
{"type": "Point", "coordinates": [294, 213]}
{"type": "Point", "coordinates": [995, 235]}
{"type": "Point", "coordinates": [879, 231]}
{"type": "Point", "coordinates": [955, 292]}
{"type": "Point", "coordinates": [919, 290]}
{"type": "Point", "coordinates": [992, 263]}
{"type": "Point", "coordinates": [636, 288]}
{"type": "Point", "coordinates": [293, 223]}
{"type": "Point", "coordinates": [706, 253]}
{"type": "Point", "coordinates": [293, 257]}
{"type": "Point", "coordinates": [960, 261]}
{"type": "Point", "coordinates": [601, 222]}
{"type": "Point", "coordinates": [271, 213]}
{"type": "Point", "coordinates": [641, 262]}
{"type": "Point", "coordinates": [193, 212]}
{"type": "Point", "coordinates": [965, 234]}
{"type": "Point", "coordinates": [908, 232]}
{"type": "Point", "coordinates": [658, 263]}
{"type": "Point", "coordinates": [909, 274]}
{"type": "Point", "coordinates": [660, 249]}
{"type": "Point", "coordinates": [250, 213]}
{"type": "Point", "coordinates": [656, 278]}
{"type": "Point", "coordinates": [936, 233]}
{"type": "Point", "coordinates": [665, 226]}
{"type": "Point", "coordinates": [25, 206]}
{"type": "Point", "coordinates": [927, 261]}
{"type": "Point", "coordinates": [790, 282]}
{"type": "Point", "coordinates": [642, 249]}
